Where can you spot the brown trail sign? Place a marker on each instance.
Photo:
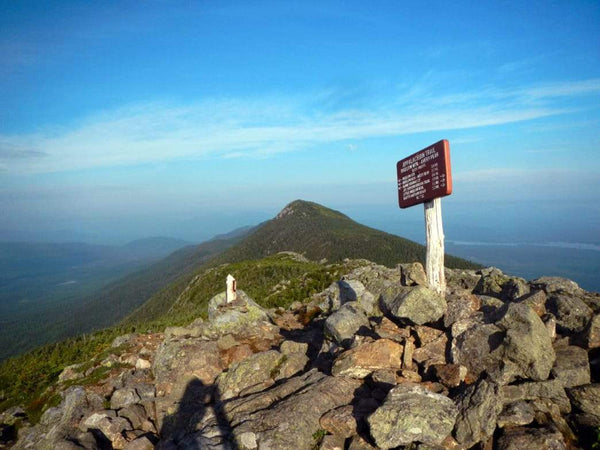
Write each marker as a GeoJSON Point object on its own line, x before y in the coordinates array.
{"type": "Point", "coordinates": [425, 177]}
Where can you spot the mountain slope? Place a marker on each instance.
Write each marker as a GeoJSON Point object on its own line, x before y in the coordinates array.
{"type": "Point", "coordinates": [319, 233]}
{"type": "Point", "coordinates": [310, 229]}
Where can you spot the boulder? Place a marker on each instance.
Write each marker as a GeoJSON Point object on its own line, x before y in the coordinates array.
{"type": "Point", "coordinates": [536, 301]}
{"type": "Point", "coordinates": [252, 374]}
{"type": "Point", "coordinates": [234, 317]}
{"type": "Point", "coordinates": [361, 361]}
{"type": "Point", "coordinates": [491, 283]}
{"type": "Point", "coordinates": [551, 390]}
{"type": "Point", "coordinates": [342, 325]}
{"type": "Point", "coordinates": [551, 285]}
{"type": "Point", "coordinates": [592, 333]}
{"type": "Point", "coordinates": [572, 366]}
{"type": "Point", "coordinates": [572, 314]}
{"type": "Point", "coordinates": [432, 351]}
{"type": "Point", "coordinates": [124, 397]}
{"type": "Point", "coordinates": [412, 274]}
{"type": "Point", "coordinates": [332, 442]}
{"type": "Point", "coordinates": [527, 344]}
{"type": "Point", "coordinates": [339, 421]}
{"type": "Point", "coordinates": [412, 414]}
{"type": "Point", "coordinates": [461, 304]}
{"type": "Point", "coordinates": [478, 409]}
{"type": "Point", "coordinates": [476, 346]}
{"type": "Point", "coordinates": [586, 399]}
{"type": "Point", "coordinates": [516, 414]}
{"type": "Point", "coordinates": [420, 305]}
{"type": "Point", "coordinates": [520, 438]}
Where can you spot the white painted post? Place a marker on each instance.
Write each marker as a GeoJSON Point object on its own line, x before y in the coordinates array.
{"type": "Point", "coordinates": [230, 295]}
{"type": "Point", "coordinates": [434, 232]}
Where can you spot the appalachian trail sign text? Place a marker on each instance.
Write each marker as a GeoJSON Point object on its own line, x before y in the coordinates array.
{"type": "Point", "coordinates": [425, 177]}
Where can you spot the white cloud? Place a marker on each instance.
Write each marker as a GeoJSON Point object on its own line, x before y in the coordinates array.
{"type": "Point", "coordinates": [236, 128]}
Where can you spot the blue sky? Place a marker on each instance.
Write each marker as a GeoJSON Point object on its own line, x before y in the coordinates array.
{"type": "Point", "coordinates": [126, 119]}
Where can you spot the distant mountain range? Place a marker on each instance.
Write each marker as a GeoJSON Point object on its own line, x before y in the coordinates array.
{"type": "Point", "coordinates": [131, 284]}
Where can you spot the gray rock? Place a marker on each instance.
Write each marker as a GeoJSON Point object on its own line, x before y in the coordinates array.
{"type": "Point", "coordinates": [126, 339]}
{"type": "Point", "coordinates": [412, 274]}
{"type": "Point", "coordinates": [461, 304]}
{"type": "Point", "coordinates": [491, 283]}
{"type": "Point", "coordinates": [586, 399]}
{"type": "Point", "coordinates": [291, 347]}
{"type": "Point", "coordinates": [478, 409]}
{"type": "Point", "coordinates": [420, 305]}
{"type": "Point", "coordinates": [301, 411]}
{"type": "Point", "coordinates": [141, 443]}
{"type": "Point", "coordinates": [340, 421]}
{"type": "Point", "coordinates": [516, 414]}
{"type": "Point", "coordinates": [551, 390]}
{"type": "Point", "coordinates": [527, 344]}
{"type": "Point", "coordinates": [252, 374]}
{"type": "Point", "coordinates": [551, 285]}
{"type": "Point", "coordinates": [572, 314]}
{"type": "Point", "coordinates": [342, 325]}
{"type": "Point", "coordinates": [412, 414]}
{"type": "Point", "coordinates": [572, 366]}
{"type": "Point", "coordinates": [124, 397]}
{"type": "Point", "coordinates": [462, 279]}
{"type": "Point", "coordinates": [476, 346]}
{"type": "Point", "coordinates": [520, 438]}
{"type": "Point", "coordinates": [592, 333]}
{"type": "Point", "coordinates": [362, 360]}
{"type": "Point", "coordinates": [234, 317]}
{"type": "Point", "coordinates": [332, 442]}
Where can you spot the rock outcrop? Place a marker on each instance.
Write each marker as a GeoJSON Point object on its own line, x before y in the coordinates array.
{"type": "Point", "coordinates": [377, 360]}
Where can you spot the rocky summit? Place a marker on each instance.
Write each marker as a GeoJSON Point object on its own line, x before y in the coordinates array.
{"type": "Point", "coordinates": [376, 360]}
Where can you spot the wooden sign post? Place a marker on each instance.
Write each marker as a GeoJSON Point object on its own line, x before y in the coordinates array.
{"type": "Point", "coordinates": [425, 177]}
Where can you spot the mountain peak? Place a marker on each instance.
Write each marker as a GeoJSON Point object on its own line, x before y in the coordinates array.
{"type": "Point", "coordinates": [306, 209]}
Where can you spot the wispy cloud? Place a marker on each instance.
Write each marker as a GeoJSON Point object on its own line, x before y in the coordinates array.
{"type": "Point", "coordinates": [237, 128]}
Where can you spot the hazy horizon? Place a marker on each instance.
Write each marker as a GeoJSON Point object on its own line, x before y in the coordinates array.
{"type": "Point", "coordinates": [122, 121]}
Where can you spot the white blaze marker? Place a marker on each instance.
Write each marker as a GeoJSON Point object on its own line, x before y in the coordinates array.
{"type": "Point", "coordinates": [230, 295]}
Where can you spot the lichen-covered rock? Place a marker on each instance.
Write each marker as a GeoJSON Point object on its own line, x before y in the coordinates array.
{"type": "Point", "coordinates": [536, 301]}
{"type": "Point", "coordinates": [491, 283]}
{"type": "Point", "coordinates": [478, 409]}
{"type": "Point", "coordinates": [572, 314]}
{"type": "Point", "coordinates": [412, 414]}
{"type": "Point", "coordinates": [592, 333]}
{"type": "Point", "coordinates": [412, 274]}
{"type": "Point", "coordinates": [586, 399]}
{"type": "Point", "coordinates": [551, 285]}
{"type": "Point", "coordinates": [475, 345]}
{"type": "Point", "coordinates": [124, 397]}
{"type": "Point", "coordinates": [461, 304]}
{"type": "Point", "coordinates": [520, 438]}
{"type": "Point", "coordinates": [572, 366]}
{"type": "Point", "coordinates": [527, 344]}
{"type": "Point", "coordinates": [342, 325]}
{"type": "Point", "coordinates": [252, 374]}
{"type": "Point", "coordinates": [551, 390]}
{"type": "Point", "coordinates": [516, 414]}
{"type": "Point", "coordinates": [419, 304]}
{"type": "Point", "coordinates": [361, 361]}
{"type": "Point", "coordinates": [301, 411]}
{"type": "Point", "coordinates": [340, 421]}
{"type": "Point", "coordinates": [234, 317]}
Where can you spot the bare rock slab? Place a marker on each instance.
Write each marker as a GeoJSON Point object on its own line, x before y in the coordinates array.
{"type": "Point", "coordinates": [412, 414]}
